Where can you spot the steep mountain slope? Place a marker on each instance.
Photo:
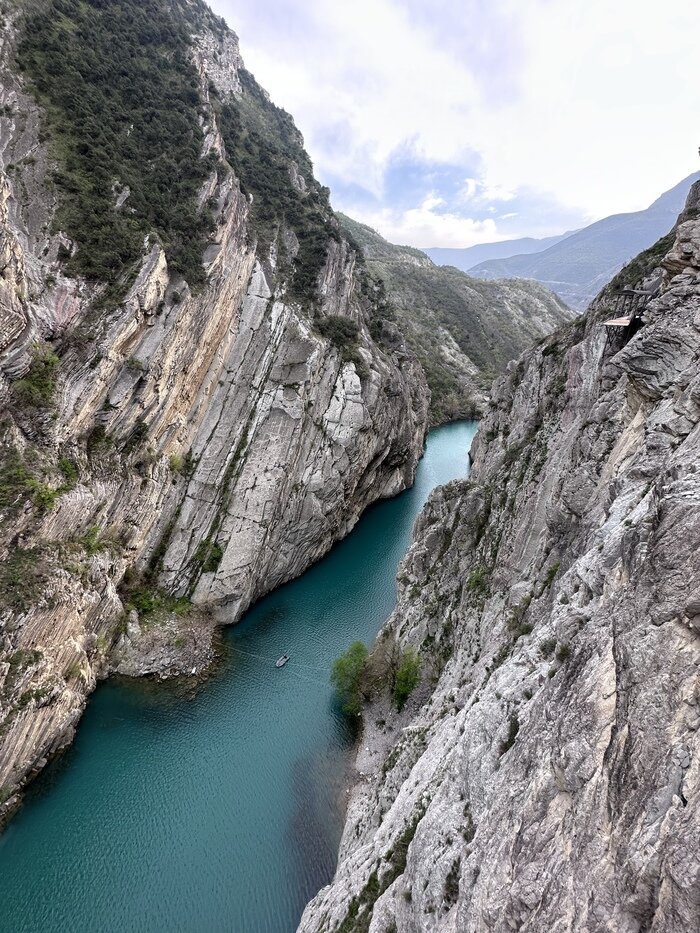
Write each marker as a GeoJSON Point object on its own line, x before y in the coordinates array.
{"type": "Point", "coordinates": [580, 265]}
{"type": "Point", "coordinates": [193, 406]}
{"type": "Point", "coordinates": [546, 773]}
{"type": "Point", "coordinates": [463, 330]}
{"type": "Point", "coordinates": [468, 257]}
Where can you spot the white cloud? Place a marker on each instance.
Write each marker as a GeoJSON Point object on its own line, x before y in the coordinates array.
{"type": "Point", "coordinates": [422, 226]}
{"type": "Point", "coordinates": [589, 104]}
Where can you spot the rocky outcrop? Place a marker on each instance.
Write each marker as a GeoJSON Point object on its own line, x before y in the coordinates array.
{"type": "Point", "coordinates": [463, 330]}
{"type": "Point", "coordinates": [172, 456]}
{"type": "Point", "coordinates": [546, 773]}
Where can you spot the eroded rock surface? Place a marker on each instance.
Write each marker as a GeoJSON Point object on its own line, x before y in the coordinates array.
{"type": "Point", "coordinates": [213, 443]}
{"type": "Point", "coordinates": [546, 774]}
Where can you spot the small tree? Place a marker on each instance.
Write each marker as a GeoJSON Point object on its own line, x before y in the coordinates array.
{"type": "Point", "coordinates": [407, 677]}
{"type": "Point", "coordinates": [347, 677]}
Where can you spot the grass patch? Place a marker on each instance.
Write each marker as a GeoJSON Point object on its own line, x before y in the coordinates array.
{"type": "Point", "coordinates": [149, 599]}
{"type": "Point", "coordinates": [478, 581]}
{"type": "Point", "coordinates": [18, 484]}
{"type": "Point", "coordinates": [208, 555]}
{"type": "Point", "coordinates": [563, 653]}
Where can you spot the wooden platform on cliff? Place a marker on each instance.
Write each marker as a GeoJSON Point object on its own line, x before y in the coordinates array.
{"type": "Point", "coordinates": [618, 322]}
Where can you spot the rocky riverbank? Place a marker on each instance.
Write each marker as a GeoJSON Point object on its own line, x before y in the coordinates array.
{"type": "Point", "coordinates": [546, 775]}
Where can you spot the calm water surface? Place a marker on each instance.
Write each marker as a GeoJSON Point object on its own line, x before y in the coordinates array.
{"type": "Point", "coordinates": [219, 810]}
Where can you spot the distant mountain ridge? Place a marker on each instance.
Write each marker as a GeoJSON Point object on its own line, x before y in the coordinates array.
{"type": "Point", "coordinates": [463, 330]}
{"type": "Point", "coordinates": [580, 264]}
{"type": "Point", "coordinates": [467, 257]}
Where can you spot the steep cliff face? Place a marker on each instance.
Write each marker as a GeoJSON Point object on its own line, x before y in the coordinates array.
{"type": "Point", "coordinates": [546, 773]}
{"type": "Point", "coordinates": [179, 435]}
{"type": "Point", "coordinates": [463, 330]}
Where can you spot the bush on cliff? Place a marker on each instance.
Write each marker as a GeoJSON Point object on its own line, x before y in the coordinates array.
{"type": "Point", "coordinates": [348, 676]}
{"type": "Point", "coordinates": [407, 677]}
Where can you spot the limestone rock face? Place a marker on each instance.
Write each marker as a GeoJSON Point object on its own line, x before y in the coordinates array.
{"type": "Point", "coordinates": [546, 773]}
{"type": "Point", "coordinates": [214, 442]}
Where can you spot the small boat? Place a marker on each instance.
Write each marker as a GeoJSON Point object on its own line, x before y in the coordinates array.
{"type": "Point", "coordinates": [280, 662]}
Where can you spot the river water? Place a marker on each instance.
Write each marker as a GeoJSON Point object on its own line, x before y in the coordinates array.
{"type": "Point", "coordinates": [217, 810]}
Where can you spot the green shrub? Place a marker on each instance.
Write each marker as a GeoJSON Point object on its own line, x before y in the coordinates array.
{"type": "Point", "coordinates": [478, 581]}
{"type": "Point", "coordinates": [341, 331]}
{"type": "Point", "coordinates": [563, 653]}
{"type": "Point", "coordinates": [208, 555]}
{"type": "Point", "coordinates": [148, 599]}
{"type": "Point", "coordinates": [37, 388]}
{"type": "Point", "coordinates": [407, 677]}
{"type": "Point", "coordinates": [551, 574]}
{"type": "Point", "coordinates": [98, 441]}
{"type": "Point", "coordinates": [347, 676]}
{"type": "Point", "coordinates": [547, 647]}
{"type": "Point", "coordinates": [136, 436]}
{"type": "Point", "coordinates": [70, 472]}
{"type": "Point", "coordinates": [18, 483]}
{"type": "Point", "coordinates": [23, 577]}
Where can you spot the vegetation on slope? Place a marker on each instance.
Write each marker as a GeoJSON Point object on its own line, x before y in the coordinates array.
{"type": "Point", "coordinates": [122, 111]}
{"type": "Point", "coordinates": [267, 152]}
{"type": "Point", "coordinates": [463, 330]}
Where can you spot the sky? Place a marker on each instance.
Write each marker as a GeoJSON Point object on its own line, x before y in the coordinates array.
{"type": "Point", "coordinates": [455, 122]}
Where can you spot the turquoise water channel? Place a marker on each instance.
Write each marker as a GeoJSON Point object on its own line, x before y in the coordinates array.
{"type": "Point", "coordinates": [217, 809]}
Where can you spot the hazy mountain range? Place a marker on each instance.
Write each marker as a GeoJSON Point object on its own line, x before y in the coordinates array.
{"type": "Point", "coordinates": [578, 264]}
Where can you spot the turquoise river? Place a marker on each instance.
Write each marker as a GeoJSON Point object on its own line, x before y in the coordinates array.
{"type": "Point", "coordinates": [217, 810]}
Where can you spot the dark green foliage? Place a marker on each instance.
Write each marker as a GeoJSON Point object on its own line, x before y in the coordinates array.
{"type": "Point", "coordinates": [96, 539]}
{"type": "Point", "coordinates": [69, 471]}
{"type": "Point", "coordinates": [478, 581]}
{"type": "Point", "coordinates": [148, 599]}
{"type": "Point", "coordinates": [547, 647]}
{"type": "Point", "coordinates": [643, 264]}
{"type": "Point", "coordinates": [23, 577]}
{"type": "Point", "coordinates": [122, 104]}
{"type": "Point", "coordinates": [407, 677]}
{"type": "Point", "coordinates": [98, 441]}
{"type": "Point", "coordinates": [136, 437]}
{"type": "Point", "coordinates": [208, 555]}
{"type": "Point", "coordinates": [344, 333]}
{"type": "Point", "coordinates": [513, 729]}
{"type": "Point", "coordinates": [551, 574]}
{"type": "Point", "coordinates": [347, 676]}
{"type": "Point", "coordinates": [263, 146]}
{"type": "Point", "coordinates": [36, 389]}
{"type": "Point", "coordinates": [563, 653]}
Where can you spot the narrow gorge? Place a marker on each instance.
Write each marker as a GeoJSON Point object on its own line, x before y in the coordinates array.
{"type": "Point", "coordinates": [546, 774]}
{"type": "Point", "coordinates": [202, 386]}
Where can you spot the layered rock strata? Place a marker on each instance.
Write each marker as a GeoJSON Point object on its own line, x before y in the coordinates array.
{"type": "Point", "coordinates": [212, 442]}
{"type": "Point", "coordinates": [546, 774]}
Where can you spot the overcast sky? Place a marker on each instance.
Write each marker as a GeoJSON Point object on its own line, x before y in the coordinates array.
{"type": "Point", "coordinates": [453, 122]}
